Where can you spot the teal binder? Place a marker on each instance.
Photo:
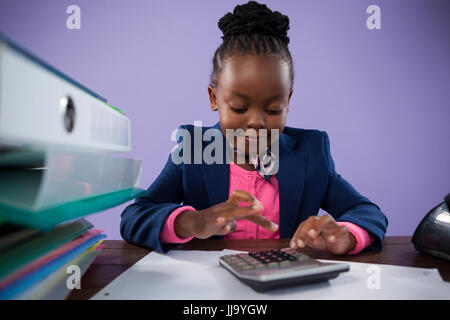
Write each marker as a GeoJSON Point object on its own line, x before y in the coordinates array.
{"type": "Point", "coordinates": [47, 219]}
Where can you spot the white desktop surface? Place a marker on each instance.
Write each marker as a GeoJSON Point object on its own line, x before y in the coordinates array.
{"type": "Point", "coordinates": [192, 275]}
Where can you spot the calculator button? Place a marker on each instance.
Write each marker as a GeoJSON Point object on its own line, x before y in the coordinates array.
{"type": "Point", "coordinates": [231, 259]}
{"type": "Point", "coordinates": [301, 257]}
{"type": "Point", "coordinates": [237, 265]}
{"type": "Point", "coordinates": [249, 259]}
{"type": "Point", "coordinates": [259, 266]}
{"type": "Point", "coordinates": [285, 263]}
{"type": "Point", "coordinates": [245, 268]}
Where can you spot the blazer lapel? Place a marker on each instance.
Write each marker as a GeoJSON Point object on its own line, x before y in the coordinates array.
{"type": "Point", "coordinates": [291, 180]}
{"type": "Point", "coordinates": [217, 177]}
{"type": "Point", "coordinates": [217, 183]}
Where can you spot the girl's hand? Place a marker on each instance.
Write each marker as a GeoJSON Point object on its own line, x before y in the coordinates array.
{"type": "Point", "coordinates": [221, 218]}
{"type": "Point", "coordinates": [323, 233]}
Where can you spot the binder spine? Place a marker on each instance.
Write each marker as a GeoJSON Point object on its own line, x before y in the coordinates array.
{"type": "Point", "coordinates": [40, 109]}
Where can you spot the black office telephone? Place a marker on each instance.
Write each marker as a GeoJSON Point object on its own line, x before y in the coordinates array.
{"type": "Point", "coordinates": [432, 236]}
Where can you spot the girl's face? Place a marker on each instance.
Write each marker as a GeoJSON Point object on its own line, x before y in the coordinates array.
{"type": "Point", "coordinates": [252, 92]}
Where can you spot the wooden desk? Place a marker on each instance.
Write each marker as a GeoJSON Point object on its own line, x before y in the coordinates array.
{"type": "Point", "coordinates": [117, 256]}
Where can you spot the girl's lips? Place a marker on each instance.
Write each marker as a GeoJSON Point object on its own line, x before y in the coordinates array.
{"type": "Point", "coordinates": [252, 138]}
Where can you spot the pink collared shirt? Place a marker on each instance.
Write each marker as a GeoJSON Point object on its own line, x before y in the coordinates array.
{"type": "Point", "coordinates": [268, 194]}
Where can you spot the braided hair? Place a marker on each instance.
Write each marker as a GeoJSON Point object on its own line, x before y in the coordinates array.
{"type": "Point", "coordinates": [252, 28]}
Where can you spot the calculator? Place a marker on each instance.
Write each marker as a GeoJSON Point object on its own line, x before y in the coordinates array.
{"type": "Point", "coordinates": [271, 269]}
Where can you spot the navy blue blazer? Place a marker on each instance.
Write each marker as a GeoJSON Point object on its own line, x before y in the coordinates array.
{"type": "Point", "coordinates": [307, 181]}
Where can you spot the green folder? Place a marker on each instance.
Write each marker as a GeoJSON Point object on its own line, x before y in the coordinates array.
{"type": "Point", "coordinates": [46, 219]}
{"type": "Point", "coordinates": [12, 235]}
{"type": "Point", "coordinates": [25, 253]}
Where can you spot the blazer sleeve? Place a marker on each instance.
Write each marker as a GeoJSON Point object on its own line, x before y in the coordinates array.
{"type": "Point", "coordinates": [142, 222]}
{"type": "Point", "coordinates": [344, 203]}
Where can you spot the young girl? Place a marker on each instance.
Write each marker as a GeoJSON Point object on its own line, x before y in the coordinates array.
{"type": "Point", "coordinates": [251, 86]}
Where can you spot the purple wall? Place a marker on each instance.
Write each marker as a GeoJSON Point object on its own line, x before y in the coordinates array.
{"type": "Point", "coordinates": [382, 95]}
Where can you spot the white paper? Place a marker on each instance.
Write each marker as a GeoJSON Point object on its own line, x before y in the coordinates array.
{"type": "Point", "coordinates": [196, 274]}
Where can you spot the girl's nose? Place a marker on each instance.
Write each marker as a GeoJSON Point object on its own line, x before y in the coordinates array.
{"type": "Point", "coordinates": [256, 120]}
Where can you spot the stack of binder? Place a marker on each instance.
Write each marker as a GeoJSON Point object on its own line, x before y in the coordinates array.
{"type": "Point", "coordinates": [56, 141]}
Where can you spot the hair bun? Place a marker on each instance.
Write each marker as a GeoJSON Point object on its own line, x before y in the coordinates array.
{"type": "Point", "coordinates": [255, 18]}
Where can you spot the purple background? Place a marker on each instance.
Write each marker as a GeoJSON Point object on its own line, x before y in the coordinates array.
{"type": "Point", "coordinates": [382, 95]}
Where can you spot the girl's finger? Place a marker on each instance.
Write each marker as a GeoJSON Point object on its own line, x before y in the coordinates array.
{"type": "Point", "coordinates": [232, 225]}
{"type": "Point", "coordinates": [338, 242]}
{"type": "Point", "coordinates": [219, 224]}
{"type": "Point", "coordinates": [247, 213]}
{"type": "Point", "coordinates": [317, 243]}
{"type": "Point", "coordinates": [340, 233]}
{"type": "Point", "coordinates": [299, 239]}
{"type": "Point", "coordinates": [225, 229]}
{"type": "Point", "coordinates": [305, 233]}
{"type": "Point", "coordinates": [263, 222]}
{"type": "Point", "coordinates": [220, 221]}
{"type": "Point", "coordinates": [239, 195]}
{"type": "Point", "coordinates": [324, 225]}
{"type": "Point", "coordinates": [240, 212]}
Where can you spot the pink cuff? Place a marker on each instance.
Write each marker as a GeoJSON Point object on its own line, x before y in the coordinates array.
{"type": "Point", "coordinates": [363, 240]}
{"type": "Point", "coordinates": [168, 234]}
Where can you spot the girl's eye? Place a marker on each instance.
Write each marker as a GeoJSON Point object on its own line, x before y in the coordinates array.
{"type": "Point", "coordinates": [238, 110]}
{"type": "Point", "coordinates": [274, 112]}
